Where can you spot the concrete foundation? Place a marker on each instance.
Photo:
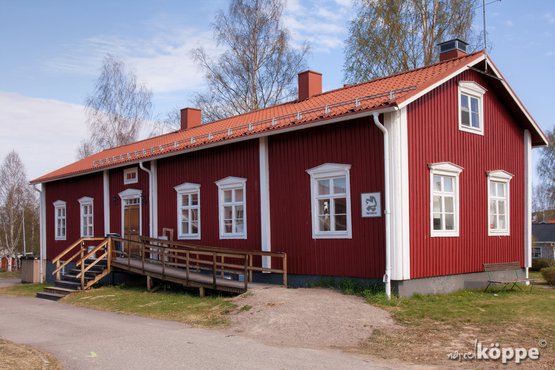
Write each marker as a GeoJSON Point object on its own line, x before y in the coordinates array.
{"type": "Point", "coordinates": [440, 284]}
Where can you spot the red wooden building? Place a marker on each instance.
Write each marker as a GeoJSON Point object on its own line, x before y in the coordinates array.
{"type": "Point", "coordinates": [418, 178]}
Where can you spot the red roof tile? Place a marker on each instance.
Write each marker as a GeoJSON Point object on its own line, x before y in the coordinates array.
{"type": "Point", "coordinates": [379, 93]}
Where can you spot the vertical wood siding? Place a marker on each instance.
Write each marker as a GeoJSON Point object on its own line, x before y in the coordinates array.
{"type": "Point", "coordinates": [70, 191]}
{"type": "Point", "coordinates": [358, 143]}
{"type": "Point", "coordinates": [205, 167]}
{"type": "Point", "coordinates": [434, 136]}
{"type": "Point", "coordinates": [117, 186]}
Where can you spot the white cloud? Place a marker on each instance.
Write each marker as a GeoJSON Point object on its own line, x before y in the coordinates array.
{"type": "Point", "coordinates": [550, 18]}
{"type": "Point", "coordinates": [550, 53]}
{"type": "Point", "coordinates": [164, 61]}
{"type": "Point", "coordinates": [509, 23]}
{"type": "Point", "coordinates": [324, 24]}
{"type": "Point", "coordinates": [45, 133]}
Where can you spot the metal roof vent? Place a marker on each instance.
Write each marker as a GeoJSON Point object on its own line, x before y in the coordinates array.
{"type": "Point", "coordinates": [452, 49]}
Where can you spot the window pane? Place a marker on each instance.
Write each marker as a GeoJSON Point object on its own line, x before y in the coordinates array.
{"type": "Point", "coordinates": [502, 225]}
{"type": "Point", "coordinates": [341, 206]}
{"type": "Point", "coordinates": [448, 184]}
{"type": "Point", "coordinates": [323, 187]}
{"type": "Point", "coordinates": [465, 118]}
{"type": "Point", "coordinates": [194, 214]}
{"type": "Point", "coordinates": [227, 195]}
{"type": "Point", "coordinates": [437, 204]}
{"type": "Point", "coordinates": [474, 105]}
{"type": "Point", "coordinates": [324, 223]}
{"type": "Point", "coordinates": [184, 215]}
{"type": "Point", "coordinates": [228, 226]}
{"type": "Point", "coordinates": [501, 207]}
{"type": "Point", "coordinates": [500, 189]}
{"type": "Point", "coordinates": [339, 185]}
{"type": "Point", "coordinates": [475, 120]}
{"type": "Point", "coordinates": [449, 205]}
{"type": "Point", "coordinates": [323, 206]}
{"type": "Point", "coordinates": [449, 222]}
{"type": "Point", "coordinates": [185, 200]}
{"type": "Point", "coordinates": [194, 227]}
{"type": "Point", "coordinates": [464, 102]}
{"type": "Point", "coordinates": [492, 189]}
{"type": "Point", "coordinates": [437, 221]}
{"type": "Point", "coordinates": [437, 183]}
{"type": "Point", "coordinates": [228, 212]}
{"type": "Point", "coordinates": [194, 199]}
{"type": "Point", "coordinates": [239, 212]}
{"type": "Point", "coordinates": [239, 226]}
{"type": "Point", "coordinates": [238, 195]}
{"type": "Point", "coordinates": [341, 222]}
{"type": "Point", "coordinates": [492, 221]}
{"type": "Point", "coordinates": [492, 207]}
{"type": "Point", "coordinates": [185, 227]}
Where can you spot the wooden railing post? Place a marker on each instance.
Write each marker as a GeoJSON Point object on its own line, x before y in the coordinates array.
{"type": "Point", "coordinates": [246, 272]}
{"type": "Point", "coordinates": [187, 266]}
{"type": "Point", "coordinates": [57, 269]}
{"type": "Point", "coordinates": [285, 270]}
{"type": "Point", "coordinates": [109, 257]}
{"type": "Point", "coordinates": [163, 262]}
{"type": "Point", "coordinates": [143, 254]}
{"type": "Point", "coordinates": [250, 269]}
{"type": "Point", "coordinates": [214, 269]}
{"type": "Point", "coordinates": [128, 254]}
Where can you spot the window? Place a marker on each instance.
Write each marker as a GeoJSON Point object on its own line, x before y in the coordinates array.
{"type": "Point", "coordinates": [331, 201]}
{"type": "Point", "coordinates": [60, 220]}
{"type": "Point", "coordinates": [444, 199]}
{"type": "Point", "coordinates": [537, 252]}
{"type": "Point", "coordinates": [87, 227]}
{"type": "Point", "coordinates": [232, 208]}
{"type": "Point", "coordinates": [471, 107]}
{"type": "Point", "coordinates": [498, 203]}
{"type": "Point", "coordinates": [188, 211]}
{"type": "Point", "coordinates": [130, 176]}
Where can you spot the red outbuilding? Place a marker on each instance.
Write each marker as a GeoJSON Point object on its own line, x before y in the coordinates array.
{"type": "Point", "coordinates": [418, 179]}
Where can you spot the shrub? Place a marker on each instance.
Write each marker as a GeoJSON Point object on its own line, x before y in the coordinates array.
{"type": "Point", "coordinates": [540, 263]}
{"type": "Point", "coordinates": [548, 274]}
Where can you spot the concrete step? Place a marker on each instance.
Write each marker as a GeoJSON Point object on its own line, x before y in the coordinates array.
{"type": "Point", "coordinates": [68, 284]}
{"type": "Point", "coordinates": [58, 290]}
{"type": "Point", "coordinates": [50, 296]}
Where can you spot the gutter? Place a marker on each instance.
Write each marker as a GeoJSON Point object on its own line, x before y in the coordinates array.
{"type": "Point", "coordinates": [387, 275]}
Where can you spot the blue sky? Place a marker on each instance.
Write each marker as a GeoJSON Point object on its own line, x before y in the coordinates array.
{"type": "Point", "coordinates": [51, 52]}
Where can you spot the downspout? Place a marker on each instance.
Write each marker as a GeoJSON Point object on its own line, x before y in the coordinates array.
{"type": "Point", "coordinates": [387, 275]}
{"type": "Point", "coordinates": [141, 165]}
{"type": "Point", "coordinates": [42, 236]}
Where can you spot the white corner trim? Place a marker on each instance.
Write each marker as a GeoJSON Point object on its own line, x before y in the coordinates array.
{"type": "Point", "coordinates": [265, 223]}
{"type": "Point", "coordinates": [106, 196]}
{"type": "Point", "coordinates": [396, 124]}
{"type": "Point", "coordinates": [449, 167]}
{"type": "Point", "coordinates": [187, 187]}
{"type": "Point", "coordinates": [527, 199]}
{"type": "Point", "coordinates": [154, 197]}
{"type": "Point", "coordinates": [500, 175]}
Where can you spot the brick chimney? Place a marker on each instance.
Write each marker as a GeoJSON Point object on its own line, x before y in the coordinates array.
{"type": "Point", "coordinates": [190, 117]}
{"type": "Point", "coordinates": [310, 84]}
{"type": "Point", "coordinates": [452, 49]}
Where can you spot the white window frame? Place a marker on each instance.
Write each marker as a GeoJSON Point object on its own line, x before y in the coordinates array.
{"type": "Point", "coordinates": [60, 205]}
{"type": "Point", "coordinates": [232, 183]}
{"type": "Point", "coordinates": [85, 202]}
{"type": "Point", "coordinates": [323, 172]}
{"type": "Point", "coordinates": [454, 171]}
{"type": "Point", "coordinates": [538, 248]}
{"type": "Point", "coordinates": [188, 189]}
{"type": "Point", "coordinates": [503, 177]}
{"type": "Point", "coordinates": [130, 170]}
{"type": "Point", "coordinates": [472, 90]}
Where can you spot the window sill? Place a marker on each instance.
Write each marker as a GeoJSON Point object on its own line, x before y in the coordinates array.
{"type": "Point", "coordinates": [188, 237]}
{"type": "Point", "coordinates": [60, 239]}
{"type": "Point", "coordinates": [471, 130]}
{"type": "Point", "coordinates": [439, 234]}
{"type": "Point", "coordinates": [498, 233]}
{"type": "Point", "coordinates": [233, 236]}
{"type": "Point", "coordinates": [333, 236]}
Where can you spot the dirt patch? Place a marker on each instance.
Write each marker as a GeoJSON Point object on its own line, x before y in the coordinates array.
{"type": "Point", "coordinates": [15, 356]}
{"type": "Point", "coordinates": [310, 318]}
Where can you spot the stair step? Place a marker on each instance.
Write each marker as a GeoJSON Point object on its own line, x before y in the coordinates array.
{"type": "Point", "coordinates": [67, 284]}
{"type": "Point", "coordinates": [58, 290]}
{"type": "Point", "coordinates": [50, 296]}
{"type": "Point", "coordinates": [91, 273]}
{"type": "Point", "coordinates": [74, 278]}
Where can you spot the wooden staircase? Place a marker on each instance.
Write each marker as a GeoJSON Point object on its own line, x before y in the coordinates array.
{"type": "Point", "coordinates": [90, 267]}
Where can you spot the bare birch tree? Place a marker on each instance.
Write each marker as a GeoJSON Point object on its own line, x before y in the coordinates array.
{"type": "Point", "coordinates": [391, 36]}
{"type": "Point", "coordinates": [546, 167]}
{"type": "Point", "coordinates": [16, 197]}
{"type": "Point", "coordinates": [258, 67]}
{"type": "Point", "coordinates": [169, 122]}
{"type": "Point", "coordinates": [116, 109]}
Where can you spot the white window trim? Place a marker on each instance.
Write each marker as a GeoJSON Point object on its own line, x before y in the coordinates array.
{"type": "Point", "coordinates": [445, 169]}
{"type": "Point", "coordinates": [132, 181]}
{"type": "Point", "coordinates": [329, 170]}
{"type": "Point", "coordinates": [186, 189]}
{"type": "Point", "coordinates": [60, 204]}
{"type": "Point", "coordinates": [131, 194]}
{"type": "Point", "coordinates": [85, 201]}
{"type": "Point", "coordinates": [541, 252]}
{"type": "Point", "coordinates": [505, 177]}
{"type": "Point", "coordinates": [229, 183]}
{"type": "Point", "coordinates": [471, 89]}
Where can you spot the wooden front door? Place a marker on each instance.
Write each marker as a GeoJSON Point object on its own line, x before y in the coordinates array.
{"type": "Point", "coordinates": [131, 226]}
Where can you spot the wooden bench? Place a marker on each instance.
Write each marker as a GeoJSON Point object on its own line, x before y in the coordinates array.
{"type": "Point", "coordinates": [493, 270]}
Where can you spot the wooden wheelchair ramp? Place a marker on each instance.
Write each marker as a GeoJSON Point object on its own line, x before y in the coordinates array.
{"type": "Point", "coordinates": [202, 267]}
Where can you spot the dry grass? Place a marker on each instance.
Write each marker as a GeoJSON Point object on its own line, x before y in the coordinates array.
{"type": "Point", "coordinates": [435, 325]}
{"type": "Point", "coordinates": [176, 306]}
{"type": "Point", "coordinates": [22, 290]}
{"type": "Point", "coordinates": [21, 357]}
{"type": "Point", "coordinates": [9, 275]}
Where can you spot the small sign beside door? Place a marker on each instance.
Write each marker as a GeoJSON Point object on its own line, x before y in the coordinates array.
{"type": "Point", "coordinates": [371, 204]}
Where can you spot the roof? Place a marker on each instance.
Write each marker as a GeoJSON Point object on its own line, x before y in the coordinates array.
{"type": "Point", "coordinates": [543, 232]}
{"type": "Point", "coordinates": [384, 93]}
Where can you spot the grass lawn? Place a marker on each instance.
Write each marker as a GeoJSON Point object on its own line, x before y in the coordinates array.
{"type": "Point", "coordinates": [9, 275]}
{"type": "Point", "coordinates": [21, 357]}
{"type": "Point", "coordinates": [22, 290]}
{"type": "Point", "coordinates": [177, 306]}
{"type": "Point", "coordinates": [432, 326]}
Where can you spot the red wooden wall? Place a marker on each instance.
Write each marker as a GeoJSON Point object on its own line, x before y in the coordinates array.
{"type": "Point", "coordinates": [434, 136]}
{"type": "Point", "coordinates": [116, 187]}
{"type": "Point", "coordinates": [358, 143]}
{"type": "Point", "coordinates": [70, 190]}
{"type": "Point", "coordinates": [205, 167]}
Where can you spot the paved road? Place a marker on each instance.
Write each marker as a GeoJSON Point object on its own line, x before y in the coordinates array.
{"type": "Point", "coordinates": [9, 282]}
{"type": "Point", "coordinates": [87, 339]}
